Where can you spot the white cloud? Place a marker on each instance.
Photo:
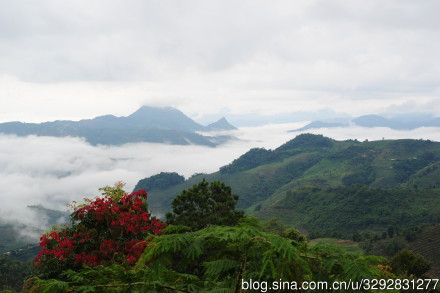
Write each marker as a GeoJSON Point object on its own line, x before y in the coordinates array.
{"type": "Point", "coordinates": [54, 171]}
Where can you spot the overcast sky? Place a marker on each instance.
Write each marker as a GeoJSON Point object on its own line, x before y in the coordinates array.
{"type": "Point", "coordinates": [79, 59]}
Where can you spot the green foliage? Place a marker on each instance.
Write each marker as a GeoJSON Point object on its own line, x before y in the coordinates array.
{"type": "Point", "coordinates": [259, 156]}
{"type": "Point", "coordinates": [251, 159]}
{"type": "Point", "coordinates": [422, 239]}
{"type": "Point", "coordinates": [115, 192]}
{"type": "Point", "coordinates": [12, 273]}
{"type": "Point", "coordinates": [162, 180]}
{"type": "Point", "coordinates": [356, 208]}
{"type": "Point", "coordinates": [334, 262]}
{"type": "Point", "coordinates": [113, 278]}
{"type": "Point", "coordinates": [307, 141]}
{"type": "Point", "coordinates": [203, 205]}
{"type": "Point", "coordinates": [394, 245]}
{"type": "Point", "coordinates": [293, 234]}
{"type": "Point", "coordinates": [364, 176]}
{"type": "Point", "coordinates": [274, 225]}
{"type": "Point", "coordinates": [221, 256]}
{"type": "Point", "coordinates": [267, 183]}
{"type": "Point", "coordinates": [216, 259]}
{"type": "Point", "coordinates": [406, 263]}
{"type": "Point", "coordinates": [405, 168]}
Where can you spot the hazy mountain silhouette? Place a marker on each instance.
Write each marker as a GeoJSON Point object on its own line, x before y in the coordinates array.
{"type": "Point", "coordinates": [147, 124]}
{"type": "Point", "coordinates": [406, 121]}
{"type": "Point", "coordinates": [221, 124]}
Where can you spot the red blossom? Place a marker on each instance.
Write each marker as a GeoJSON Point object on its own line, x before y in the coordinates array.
{"type": "Point", "coordinates": [100, 230]}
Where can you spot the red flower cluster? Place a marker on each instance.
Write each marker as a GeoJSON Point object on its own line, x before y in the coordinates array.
{"type": "Point", "coordinates": [106, 230]}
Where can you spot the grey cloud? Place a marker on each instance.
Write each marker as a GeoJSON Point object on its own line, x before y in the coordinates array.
{"type": "Point", "coordinates": [78, 40]}
{"type": "Point", "coordinates": [395, 14]}
{"type": "Point", "coordinates": [427, 106]}
{"type": "Point", "coordinates": [247, 56]}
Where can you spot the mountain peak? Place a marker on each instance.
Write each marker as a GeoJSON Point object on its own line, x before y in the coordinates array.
{"type": "Point", "coordinates": [374, 120]}
{"type": "Point", "coordinates": [221, 124]}
{"type": "Point", "coordinates": [155, 111]}
{"type": "Point", "coordinates": [164, 118]}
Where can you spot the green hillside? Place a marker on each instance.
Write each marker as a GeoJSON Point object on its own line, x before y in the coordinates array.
{"type": "Point", "coordinates": [361, 191]}
{"type": "Point", "coordinates": [423, 240]}
{"type": "Point", "coordinates": [262, 177]}
{"type": "Point", "coordinates": [348, 210]}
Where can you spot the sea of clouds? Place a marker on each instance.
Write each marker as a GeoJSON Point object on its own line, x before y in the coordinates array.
{"type": "Point", "coordinates": [52, 172]}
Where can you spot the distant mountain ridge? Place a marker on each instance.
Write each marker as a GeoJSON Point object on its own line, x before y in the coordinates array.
{"type": "Point", "coordinates": [147, 124]}
{"type": "Point", "coordinates": [402, 122]}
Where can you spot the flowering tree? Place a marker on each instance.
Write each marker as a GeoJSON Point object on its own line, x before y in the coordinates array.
{"type": "Point", "coordinates": [109, 229]}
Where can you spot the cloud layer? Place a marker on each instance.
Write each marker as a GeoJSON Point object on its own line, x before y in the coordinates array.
{"type": "Point", "coordinates": [54, 171]}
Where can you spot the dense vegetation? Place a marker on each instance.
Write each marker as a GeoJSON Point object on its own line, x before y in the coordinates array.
{"type": "Point", "coordinates": [109, 229]}
{"type": "Point", "coordinates": [113, 245]}
{"type": "Point", "coordinates": [205, 204]}
{"type": "Point", "coordinates": [12, 273]}
{"type": "Point", "coordinates": [250, 160]}
{"type": "Point", "coordinates": [262, 177]}
{"type": "Point", "coordinates": [214, 257]}
{"type": "Point", "coordinates": [162, 180]}
{"type": "Point", "coordinates": [260, 156]}
{"type": "Point", "coordinates": [218, 259]}
{"type": "Point", "coordinates": [343, 211]}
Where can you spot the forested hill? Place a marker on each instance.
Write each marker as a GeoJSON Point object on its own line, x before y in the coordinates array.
{"type": "Point", "coordinates": [261, 177]}
{"type": "Point", "coordinates": [147, 124]}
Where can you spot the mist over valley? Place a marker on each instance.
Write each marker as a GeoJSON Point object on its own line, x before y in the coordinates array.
{"type": "Point", "coordinates": [53, 171]}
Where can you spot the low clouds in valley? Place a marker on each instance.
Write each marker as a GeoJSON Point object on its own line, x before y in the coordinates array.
{"type": "Point", "coordinates": [54, 171]}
